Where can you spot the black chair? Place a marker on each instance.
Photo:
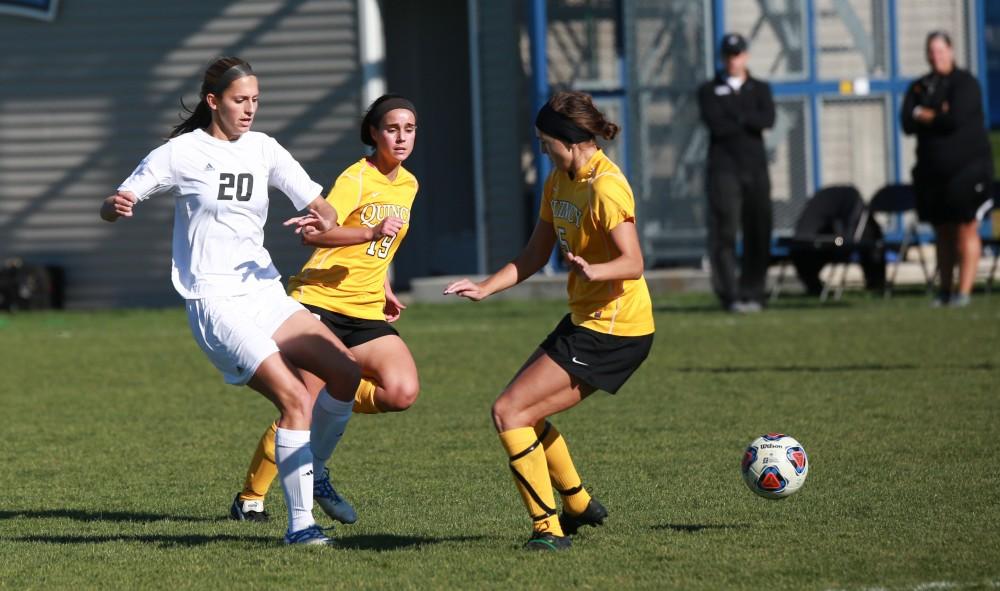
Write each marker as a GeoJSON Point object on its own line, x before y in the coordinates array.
{"type": "Point", "coordinates": [989, 232]}
{"type": "Point", "coordinates": [899, 203]}
{"type": "Point", "coordinates": [834, 228]}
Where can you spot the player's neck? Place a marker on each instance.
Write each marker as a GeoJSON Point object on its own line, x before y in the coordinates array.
{"type": "Point", "coordinates": [218, 133]}
{"type": "Point", "coordinates": [389, 169]}
{"type": "Point", "coordinates": [581, 158]}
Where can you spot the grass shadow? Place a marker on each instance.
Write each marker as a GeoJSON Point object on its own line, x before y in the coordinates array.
{"type": "Point", "coordinates": [158, 539]}
{"type": "Point", "coordinates": [389, 542]}
{"type": "Point", "coordinates": [848, 368]}
{"type": "Point", "coordinates": [693, 528]}
{"type": "Point", "coordinates": [787, 303]}
{"type": "Point", "coordinates": [112, 516]}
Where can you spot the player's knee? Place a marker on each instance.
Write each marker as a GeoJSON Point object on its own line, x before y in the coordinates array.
{"type": "Point", "coordinates": [399, 395]}
{"type": "Point", "coordinates": [506, 416]}
{"type": "Point", "coordinates": [294, 402]}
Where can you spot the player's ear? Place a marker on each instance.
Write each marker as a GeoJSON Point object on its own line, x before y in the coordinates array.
{"type": "Point", "coordinates": [212, 101]}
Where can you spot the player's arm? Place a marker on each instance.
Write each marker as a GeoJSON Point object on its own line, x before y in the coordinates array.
{"type": "Point", "coordinates": [342, 236]}
{"type": "Point", "coordinates": [627, 265]}
{"type": "Point", "coordinates": [532, 258]}
{"type": "Point", "coordinates": [117, 206]}
{"type": "Point", "coordinates": [393, 306]}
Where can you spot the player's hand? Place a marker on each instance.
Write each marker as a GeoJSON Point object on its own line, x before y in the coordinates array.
{"type": "Point", "coordinates": [393, 307]}
{"type": "Point", "coordinates": [580, 267]}
{"type": "Point", "coordinates": [390, 226]}
{"type": "Point", "coordinates": [466, 289]}
{"type": "Point", "coordinates": [308, 225]}
{"type": "Point", "coordinates": [118, 205]}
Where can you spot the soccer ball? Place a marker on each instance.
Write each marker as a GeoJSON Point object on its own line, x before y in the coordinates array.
{"type": "Point", "coordinates": [775, 466]}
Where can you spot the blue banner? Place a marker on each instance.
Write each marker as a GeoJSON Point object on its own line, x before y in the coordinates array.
{"type": "Point", "coordinates": [40, 9]}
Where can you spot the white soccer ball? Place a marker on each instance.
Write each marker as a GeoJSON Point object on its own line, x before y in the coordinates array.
{"type": "Point", "coordinates": [775, 466]}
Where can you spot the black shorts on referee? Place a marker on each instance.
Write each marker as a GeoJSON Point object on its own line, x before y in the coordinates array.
{"type": "Point", "coordinates": [599, 360]}
{"type": "Point", "coordinates": [350, 330]}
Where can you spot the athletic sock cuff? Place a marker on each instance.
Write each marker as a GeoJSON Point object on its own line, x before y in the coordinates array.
{"type": "Point", "coordinates": [290, 438]}
{"type": "Point", "coordinates": [332, 405]}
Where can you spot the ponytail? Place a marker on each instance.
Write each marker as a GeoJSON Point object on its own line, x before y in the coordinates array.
{"type": "Point", "coordinates": [199, 118]}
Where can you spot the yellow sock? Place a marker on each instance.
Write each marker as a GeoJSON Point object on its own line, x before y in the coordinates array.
{"type": "Point", "coordinates": [262, 469]}
{"type": "Point", "coordinates": [561, 469]}
{"type": "Point", "coordinates": [364, 398]}
{"type": "Point", "coordinates": [531, 475]}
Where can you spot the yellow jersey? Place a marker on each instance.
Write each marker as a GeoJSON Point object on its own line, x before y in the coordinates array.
{"type": "Point", "coordinates": [583, 211]}
{"type": "Point", "coordinates": [350, 280]}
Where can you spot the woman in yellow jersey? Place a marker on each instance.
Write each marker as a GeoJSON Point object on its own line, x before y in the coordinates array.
{"type": "Point", "coordinates": [589, 211]}
{"type": "Point", "coordinates": [345, 284]}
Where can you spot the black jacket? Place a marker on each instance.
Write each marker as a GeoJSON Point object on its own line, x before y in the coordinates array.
{"type": "Point", "coordinates": [957, 135]}
{"type": "Point", "coordinates": [736, 121]}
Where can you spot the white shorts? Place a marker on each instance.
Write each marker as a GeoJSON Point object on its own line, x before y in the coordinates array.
{"type": "Point", "coordinates": [235, 332]}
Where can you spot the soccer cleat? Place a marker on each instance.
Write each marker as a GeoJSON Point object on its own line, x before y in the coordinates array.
{"type": "Point", "coordinates": [544, 542]}
{"type": "Point", "coordinates": [310, 536]}
{"type": "Point", "coordinates": [332, 503]}
{"type": "Point", "coordinates": [248, 510]}
{"type": "Point", "coordinates": [593, 515]}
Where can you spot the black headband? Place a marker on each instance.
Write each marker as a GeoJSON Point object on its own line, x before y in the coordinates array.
{"type": "Point", "coordinates": [378, 110]}
{"type": "Point", "coordinates": [235, 71]}
{"type": "Point", "coordinates": [551, 122]}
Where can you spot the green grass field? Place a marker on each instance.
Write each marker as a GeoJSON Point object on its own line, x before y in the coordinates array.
{"type": "Point", "coordinates": [124, 450]}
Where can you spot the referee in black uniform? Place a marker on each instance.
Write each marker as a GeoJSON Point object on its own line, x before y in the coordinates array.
{"type": "Point", "coordinates": [737, 108]}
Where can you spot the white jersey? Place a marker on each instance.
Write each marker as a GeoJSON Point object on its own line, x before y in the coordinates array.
{"type": "Point", "coordinates": [220, 190]}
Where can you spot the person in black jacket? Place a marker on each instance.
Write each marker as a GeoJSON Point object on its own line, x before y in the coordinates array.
{"type": "Point", "coordinates": [954, 171]}
{"type": "Point", "coordinates": [737, 108]}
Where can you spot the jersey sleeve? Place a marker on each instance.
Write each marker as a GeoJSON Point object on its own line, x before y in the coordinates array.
{"type": "Point", "coordinates": [345, 195]}
{"type": "Point", "coordinates": [153, 176]}
{"type": "Point", "coordinates": [545, 207]}
{"type": "Point", "coordinates": [288, 176]}
{"type": "Point", "coordinates": [613, 202]}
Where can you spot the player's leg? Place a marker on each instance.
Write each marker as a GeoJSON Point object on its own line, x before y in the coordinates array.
{"type": "Point", "coordinates": [276, 379]}
{"type": "Point", "coordinates": [540, 389]}
{"type": "Point", "coordinates": [329, 370]}
{"type": "Point", "coordinates": [579, 508]}
{"type": "Point", "coordinates": [391, 383]}
{"type": "Point", "coordinates": [249, 503]}
{"type": "Point", "coordinates": [235, 334]}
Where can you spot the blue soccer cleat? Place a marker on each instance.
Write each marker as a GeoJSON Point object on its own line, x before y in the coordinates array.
{"type": "Point", "coordinates": [332, 503]}
{"type": "Point", "coordinates": [310, 536]}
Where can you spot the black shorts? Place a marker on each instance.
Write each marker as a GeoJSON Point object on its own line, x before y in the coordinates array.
{"type": "Point", "coordinates": [955, 198]}
{"type": "Point", "coordinates": [601, 361]}
{"type": "Point", "coordinates": [350, 330]}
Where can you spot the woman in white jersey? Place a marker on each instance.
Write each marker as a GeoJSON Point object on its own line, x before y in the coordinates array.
{"type": "Point", "coordinates": [218, 173]}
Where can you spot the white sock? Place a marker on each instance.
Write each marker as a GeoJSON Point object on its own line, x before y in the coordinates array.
{"type": "Point", "coordinates": [329, 420]}
{"type": "Point", "coordinates": [295, 469]}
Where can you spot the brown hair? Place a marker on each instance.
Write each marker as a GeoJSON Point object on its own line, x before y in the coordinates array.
{"type": "Point", "coordinates": [579, 108]}
{"type": "Point", "coordinates": [218, 76]}
{"type": "Point", "coordinates": [939, 34]}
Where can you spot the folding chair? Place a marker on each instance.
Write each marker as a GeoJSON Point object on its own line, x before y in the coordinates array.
{"type": "Point", "coordinates": [989, 231]}
{"type": "Point", "coordinates": [898, 203]}
{"type": "Point", "coordinates": [834, 228]}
